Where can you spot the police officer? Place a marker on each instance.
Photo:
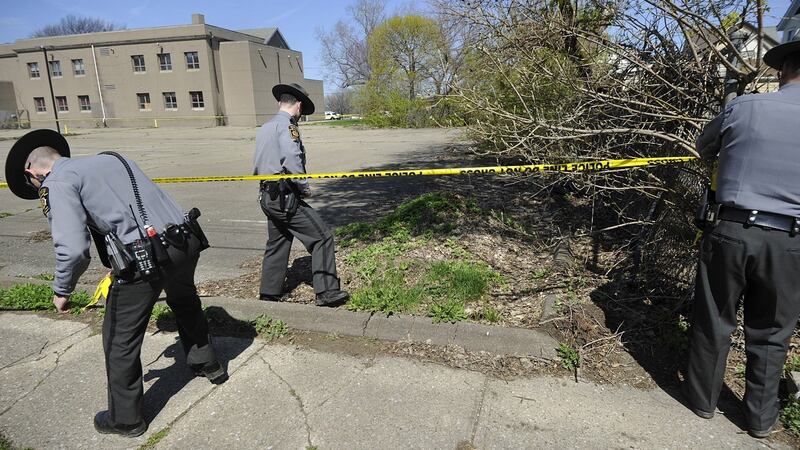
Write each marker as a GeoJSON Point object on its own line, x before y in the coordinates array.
{"type": "Point", "coordinates": [751, 246]}
{"type": "Point", "coordinates": [279, 149]}
{"type": "Point", "coordinates": [110, 198]}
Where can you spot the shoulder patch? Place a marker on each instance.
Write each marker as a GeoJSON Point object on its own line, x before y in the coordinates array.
{"type": "Point", "coordinates": [44, 200]}
{"type": "Point", "coordinates": [295, 132]}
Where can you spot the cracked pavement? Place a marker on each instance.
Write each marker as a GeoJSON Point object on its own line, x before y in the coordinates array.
{"type": "Point", "coordinates": [280, 396]}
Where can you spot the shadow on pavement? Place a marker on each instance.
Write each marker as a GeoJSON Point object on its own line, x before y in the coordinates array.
{"type": "Point", "coordinates": [170, 380]}
{"type": "Point", "coordinates": [343, 201]}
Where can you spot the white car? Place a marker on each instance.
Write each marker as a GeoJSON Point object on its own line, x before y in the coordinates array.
{"type": "Point", "coordinates": [332, 115]}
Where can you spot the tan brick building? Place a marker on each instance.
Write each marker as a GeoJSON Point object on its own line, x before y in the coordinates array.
{"type": "Point", "coordinates": [191, 75]}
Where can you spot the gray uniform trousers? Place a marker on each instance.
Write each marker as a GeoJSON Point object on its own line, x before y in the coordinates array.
{"type": "Point", "coordinates": [306, 225]}
{"type": "Point", "coordinates": [128, 310]}
{"type": "Point", "coordinates": [764, 266]}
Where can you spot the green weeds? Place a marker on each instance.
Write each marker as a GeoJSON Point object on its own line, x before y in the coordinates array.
{"type": "Point", "coordinates": [37, 297]}
{"type": "Point", "coordinates": [451, 310]}
{"type": "Point", "coordinates": [161, 312]}
{"type": "Point", "coordinates": [389, 293]}
{"type": "Point", "coordinates": [792, 364]}
{"type": "Point", "coordinates": [570, 358]}
{"type": "Point", "coordinates": [155, 439]}
{"type": "Point", "coordinates": [459, 280]}
{"type": "Point", "coordinates": [676, 335]}
{"type": "Point", "coordinates": [790, 416]}
{"type": "Point", "coordinates": [269, 328]}
{"type": "Point", "coordinates": [441, 289]}
{"type": "Point", "coordinates": [490, 314]}
{"type": "Point", "coordinates": [426, 215]}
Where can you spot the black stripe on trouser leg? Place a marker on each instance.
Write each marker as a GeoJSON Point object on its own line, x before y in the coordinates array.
{"type": "Point", "coordinates": [322, 237]}
{"type": "Point", "coordinates": [108, 338]}
{"type": "Point", "coordinates": [325, 255]}
{"type": "Point", "coordinates": [720, 282]}
{"type": "Point", "coordinates": [131, 308]}
{"type": "Point", "coordinates": [182, 298]}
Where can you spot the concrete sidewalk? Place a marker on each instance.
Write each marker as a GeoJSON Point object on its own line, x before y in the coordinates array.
{"type": "Point", "coordinates": [52, 381]}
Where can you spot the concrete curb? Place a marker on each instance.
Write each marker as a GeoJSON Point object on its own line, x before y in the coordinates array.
{"type": "Point", "coordinates": [470, 336]}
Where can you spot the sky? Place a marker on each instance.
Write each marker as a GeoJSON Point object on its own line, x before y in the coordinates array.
{"type": "Point", "coordinates": [296, 19]}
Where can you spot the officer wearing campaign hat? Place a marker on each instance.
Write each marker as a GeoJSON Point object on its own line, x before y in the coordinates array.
{"type": "Point", "coordinates": [153, 249]}
{"type": "Point", "coordinates": [279, 149]}
{"type": "Point", "coordinates": [751, 246]}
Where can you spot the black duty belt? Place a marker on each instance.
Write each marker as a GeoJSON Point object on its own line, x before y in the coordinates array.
{"type": "Point", "coordinates": [761, 219]}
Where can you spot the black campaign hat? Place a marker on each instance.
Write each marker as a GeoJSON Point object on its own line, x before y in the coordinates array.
{"type": "Point", "coordinates": [18, 156]}
{"type": "Point", "coordinates": [307, 107]}
{"type": "Point", "coordinates": [777, 55]}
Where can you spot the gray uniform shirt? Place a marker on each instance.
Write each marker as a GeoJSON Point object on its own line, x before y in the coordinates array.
{"type": "Point", "coordinates": [758, 141]}
{"type": "Point", "coordinates": [97, 190]}
{"type": "Point", "coordinates": [278, 146]}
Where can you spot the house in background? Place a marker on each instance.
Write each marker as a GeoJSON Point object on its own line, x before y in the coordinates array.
{"type": "Point", "coordinates": [194, 75]}
{"type": "Point", "coordinates": [790, 22]}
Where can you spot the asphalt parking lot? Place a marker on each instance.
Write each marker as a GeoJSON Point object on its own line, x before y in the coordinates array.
{"type": "Point", "coordinates": [231, 217]}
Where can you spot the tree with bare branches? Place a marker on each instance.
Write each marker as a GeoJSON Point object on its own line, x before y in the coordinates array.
{"type": "Point", "coordinates": [344, 48]}
{"type": "Point", "coordinates": [72, 24]}
{"type": "Point", "coordinates": [564, 80]}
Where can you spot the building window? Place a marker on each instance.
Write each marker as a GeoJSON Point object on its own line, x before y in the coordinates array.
{"type": "Point", "coordinates": [144, 101]}
{"type": "Point", "coordinates": [197, 99]}
{"type": "Point", "coordinates": [164, 62]}
{"type": "Point", "coordinates": [170, 100]}
{"type": "Point", "coordinates": [40, 105]}
{"type": "Point", "coordinates": [33, 70]}
{"type": "Point", "coordinates": [61, 103]}
{"type": "Point", "coordinates": [138, 63]}
{"type": "Point", "coordinates": [84, 102]}
{"type": "Point", "coordinates": [55, 68]}
{"type": "Point", "coordinates": [78, 68]}
{"type": "Point", "coordinates": [192, 60]}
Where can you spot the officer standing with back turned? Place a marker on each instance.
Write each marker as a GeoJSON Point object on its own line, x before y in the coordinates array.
{"type": "Point", "coordinates": [751, 246]}
{"type": "Point", "coordinates": [142, 235]}
{"type": "Point", "coordinates": [280, 150]}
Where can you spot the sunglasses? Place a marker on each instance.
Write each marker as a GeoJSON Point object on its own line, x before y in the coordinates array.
{"type": "Point", "coordinates": [28, 179]}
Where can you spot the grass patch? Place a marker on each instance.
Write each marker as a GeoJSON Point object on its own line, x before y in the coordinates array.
{"type": "Point", "coordinates": [38, 297]}
{"type": "Point", "coordinates": [388, 293]}
{"type": "Point", "coordinates": [161, 312]}
{"type": "Point", "coordinates": [372, 257]}
{"type": "Point", "coordinates": [269, 328]}
{"type": "Point", "coordinates": [394, 282]}
{"type": "Point", "coordinates": [342, 122]}
{"type": "Point", "coordinates": [44, 276]}
{"type": "Point", "coordinates": [428, 214]}
{"type": "Point", "coordinates": [459, 280]}
{"type": "Point", "coordinates": [790, 416]}
{"type": "Point", "coordinates": [155, 439]}
{"type": "Point", "coordinates": [3, 215]}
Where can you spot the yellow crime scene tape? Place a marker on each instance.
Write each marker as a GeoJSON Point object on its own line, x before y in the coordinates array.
{"type": "Point", "coordinates": [580, 166]}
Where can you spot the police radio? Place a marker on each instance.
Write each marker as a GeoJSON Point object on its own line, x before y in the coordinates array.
{"type": "Point", "coordinates": [147, 251]}
{"type": "Point", "coordinates": [142, 250]}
